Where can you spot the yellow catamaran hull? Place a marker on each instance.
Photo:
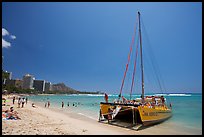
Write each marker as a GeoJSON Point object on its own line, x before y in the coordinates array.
{"type": "Point", "coordinates": [153, 115]}
{"type": "Point", "coordinates": [137, 114]}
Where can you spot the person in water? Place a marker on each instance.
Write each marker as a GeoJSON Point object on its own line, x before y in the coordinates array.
{"type": "Point", "coordinates": [62, 104]}
{"type": "Point", "coordinates": [48, 104]}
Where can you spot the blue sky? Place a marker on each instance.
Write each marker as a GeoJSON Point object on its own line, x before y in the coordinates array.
{"type": "Point", "coordinates": [85, 45]}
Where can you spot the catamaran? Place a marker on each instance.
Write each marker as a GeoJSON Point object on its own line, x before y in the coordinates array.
{"type": "Point", "coordinates": [138, 112]}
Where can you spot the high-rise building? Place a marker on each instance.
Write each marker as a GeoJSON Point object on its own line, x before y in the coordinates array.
{"type": "Point", "coordinates": [48, 86]}
{"type": "Point", "coordinates": [28, 81]}
{"type": "Point", "coordinates": [39, 85]}
{"type": "Point", "coordinates": [19, 83]}
{"type": "Point", "coordinates": [10, 82]}
{"type": "Point", "coordinates": [15, 82]}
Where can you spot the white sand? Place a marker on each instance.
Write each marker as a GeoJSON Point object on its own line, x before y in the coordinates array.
{"type": "Point", "coordinates": [48, 121]}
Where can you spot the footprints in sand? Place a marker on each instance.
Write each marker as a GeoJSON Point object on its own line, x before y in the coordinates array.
{"type": "Point", "coordinates": [84, 130]}
{"type": "Point", "coordinates": [59, 132]}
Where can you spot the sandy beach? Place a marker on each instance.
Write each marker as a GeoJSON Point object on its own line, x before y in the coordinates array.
{"type": "Point", "coordinates": [49, 121]}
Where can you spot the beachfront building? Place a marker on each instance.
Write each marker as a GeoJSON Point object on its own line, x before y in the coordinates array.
{"type": "Point", "coordinates": [15, 82]}
{"type": "Point", "coordinates": [48, 86]}
{"type": "Point", "coordinates": [28, 81]}
{"type": "Point", "coordinates": [18, 83]}
{"type": "Point", "coordinates": [39, 85]}
{"type": "Point", "coordinates": [10, 82]}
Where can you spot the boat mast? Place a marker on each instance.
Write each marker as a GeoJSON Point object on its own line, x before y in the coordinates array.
{"type": "Point", "coordinates": [141, 58]}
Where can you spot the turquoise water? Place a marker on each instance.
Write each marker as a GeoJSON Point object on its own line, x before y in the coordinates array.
{"type": "Point", "coordinates": [187, 108]}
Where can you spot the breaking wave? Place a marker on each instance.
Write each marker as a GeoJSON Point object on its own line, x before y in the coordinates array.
{"type": "Point", "coordinates": [179, 94]}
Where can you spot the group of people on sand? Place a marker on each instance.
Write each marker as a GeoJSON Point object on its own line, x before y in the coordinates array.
{"type": "Point", "coordinates": [10, 114]}
{"type": "Point", "coordinates": [21, 101]}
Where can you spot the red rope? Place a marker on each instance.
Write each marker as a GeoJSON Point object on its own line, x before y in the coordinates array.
{"type": "Point", "coordinates": [133, 39]}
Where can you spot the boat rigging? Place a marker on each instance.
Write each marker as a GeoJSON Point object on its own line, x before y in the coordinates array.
{"type": "Point", "coordinates": [138, 112]}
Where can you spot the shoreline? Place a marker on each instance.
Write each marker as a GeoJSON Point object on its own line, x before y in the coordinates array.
{"type": "Point", "coordinates": [43, 120]}
{"type": "Point", "coordinates": [53, 121]}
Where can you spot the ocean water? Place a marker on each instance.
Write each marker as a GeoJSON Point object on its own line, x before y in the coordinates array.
{"type": "Point", "coordinates": [187, 108]}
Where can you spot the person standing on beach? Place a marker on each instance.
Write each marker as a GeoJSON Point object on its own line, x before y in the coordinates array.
{"type": "Point", "coordinates": [106, 98]}
{"type": "Point", "coordinates": [45, 104]}
{"type": "Point", "coordinates": [110, 112]}
{"type": "Point", "coordinates": [19, 102]}
{"type": "Point", "coordinates": [68, 104]}
{"type": "Point", "coordinates": [23, 102]}
{"type": "Point", "coordinates": [62, 104]}
{"type": "Point", "coordinates": [14, 99]}
{"type": "Point", "coordinates": [26, 100]}
{"type": "Point", "coordinates": [48, 104]}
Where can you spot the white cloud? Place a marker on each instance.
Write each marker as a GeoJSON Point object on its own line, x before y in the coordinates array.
{"type": "Point", "coordinates": [4, 32]}
{"type": "Point", "coordinates": [5, 44]}
{"type": "Point", "coordinates": [13, 37]}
